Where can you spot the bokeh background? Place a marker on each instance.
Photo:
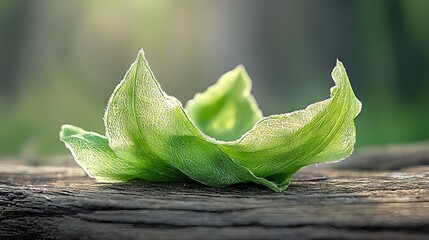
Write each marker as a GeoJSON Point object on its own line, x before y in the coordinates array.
{"type": "Point", "coordinates": [60, 60]}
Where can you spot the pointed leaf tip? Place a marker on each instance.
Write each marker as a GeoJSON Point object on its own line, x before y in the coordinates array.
{"type": "Point", "coordinates": [240, 67]}
{"type": "Point", "coordinates": [70, 130]}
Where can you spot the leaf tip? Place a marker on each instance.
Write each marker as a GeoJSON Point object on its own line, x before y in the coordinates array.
{"type": "Point", "coordinates": [339, 75]}
{"type": "Point", "coordinates": [141, 52]}
{"type": "Point", "coordinates": [339, 62]}
{"type": "Point", "coordinates": [140, 56]}
{"type": "Point", "coordinates": [69, 130]}
{"type": "Point", "coordinates": [339, 66]}
{"type": "Point", "coordinates": [241, 68]}
{"type": "Point", "coordinates": [243, 77]}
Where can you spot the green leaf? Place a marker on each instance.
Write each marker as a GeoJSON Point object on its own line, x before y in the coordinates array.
{"type": "Point", "coordinates": [143, 122]}
{"type": "Point", "coordinates": [323, 132]}
{"type": "Point", "coordinates": [226, 110]}
{"type": "Point", "coordinates": [139, 116]}
{"type": "Point", "coordinates": [92, 152]}
{"type": "Point", "coordinates": [150, 136]}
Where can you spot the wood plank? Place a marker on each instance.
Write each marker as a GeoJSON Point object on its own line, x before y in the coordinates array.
{"type": "Point", "coordinates": [391, 157]}
{"type": "Point", "coordinates": [62, 202]}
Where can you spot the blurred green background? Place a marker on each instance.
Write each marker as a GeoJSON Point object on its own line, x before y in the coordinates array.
{"type": "Point", "coordinates": [60, 60]}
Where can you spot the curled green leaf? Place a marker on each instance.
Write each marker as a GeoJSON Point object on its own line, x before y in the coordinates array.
{"type": "Point", "coordinates": [219, 139]}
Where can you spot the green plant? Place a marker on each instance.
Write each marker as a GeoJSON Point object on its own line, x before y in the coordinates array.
{"type": "Point", "coordinates": [220, 138]}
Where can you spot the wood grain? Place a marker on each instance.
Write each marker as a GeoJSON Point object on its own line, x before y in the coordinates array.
{"type": "Point", "coordinates": [63, 203]}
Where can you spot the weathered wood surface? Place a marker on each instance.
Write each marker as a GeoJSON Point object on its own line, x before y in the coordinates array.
{"type": "Point", "coordinates": [63, 203]}
{"type": "Point", "coordinates": [392, 157]}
